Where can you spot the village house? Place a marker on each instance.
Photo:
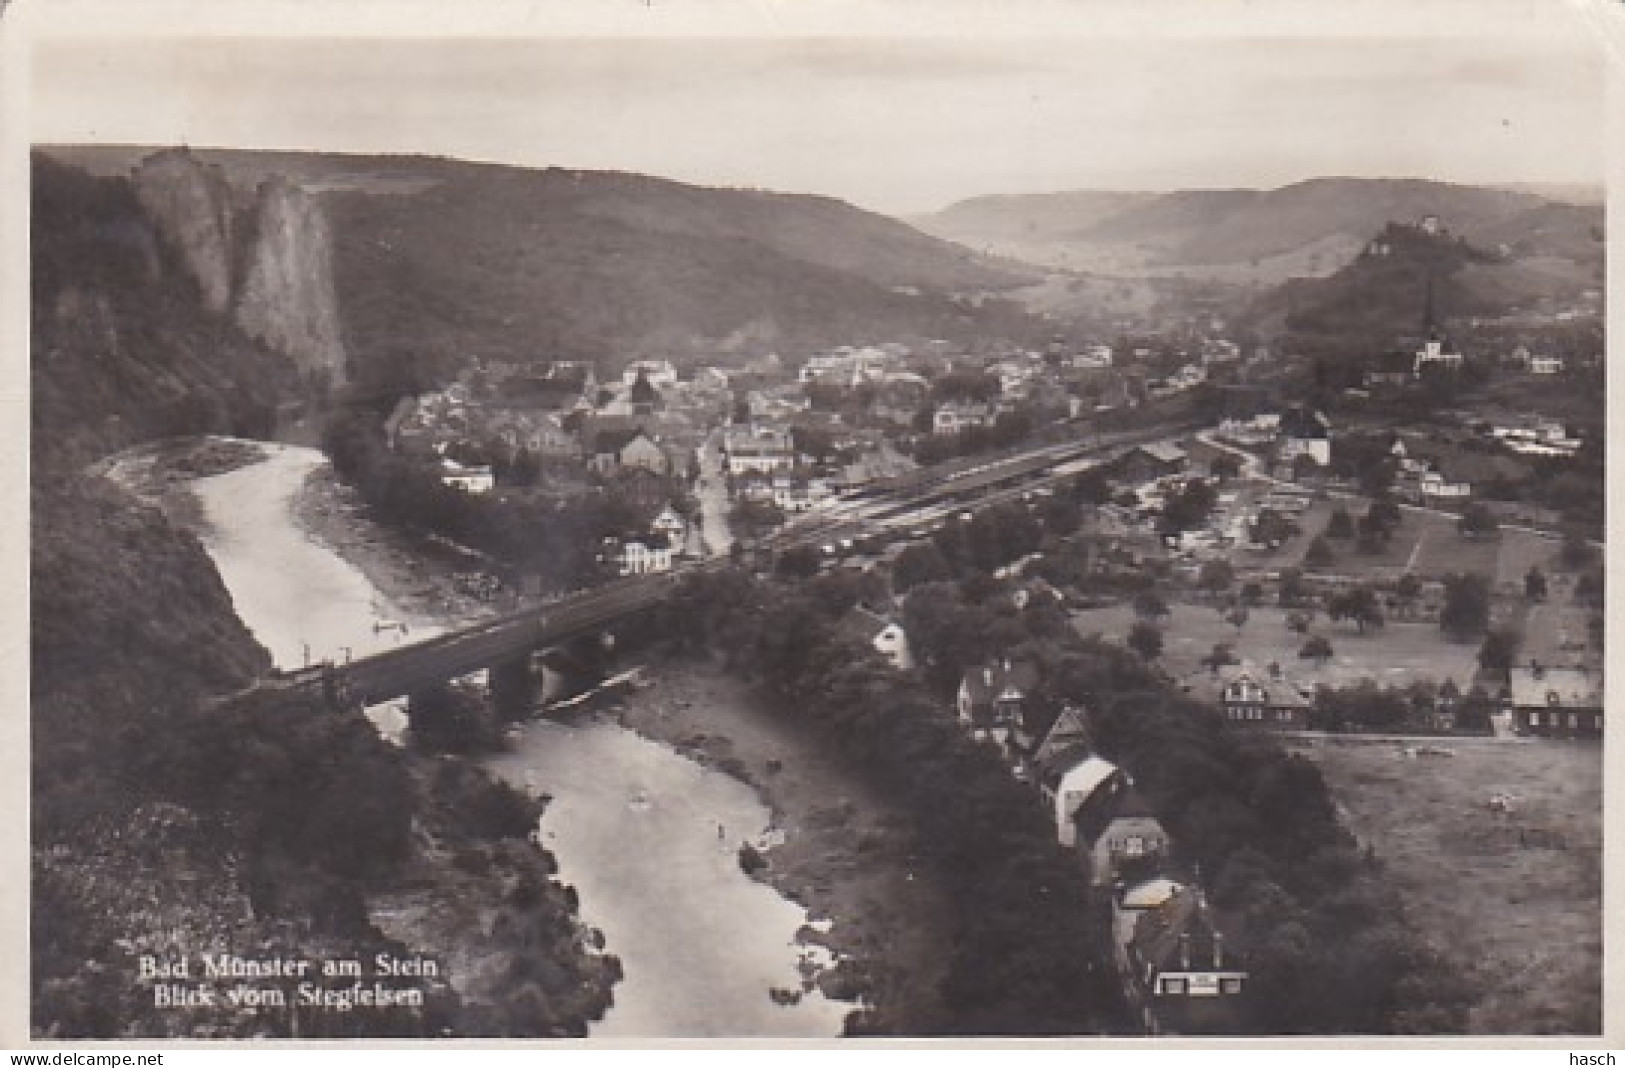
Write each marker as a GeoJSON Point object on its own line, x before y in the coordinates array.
{"type": "Point", "coordinates": [1155, 460]}
{"type": "Point", "coordinates": [618, 449]}
{"type": "Point", "coordinates": [992, 698]}
{"type": "Point", "coordinates": [1247, 700]}
{"type": "Point", "coordinates": [1556, 702]}
{"type": "Point", "coordinates": [1545, 365]}
{"type": "Point", "coordinates": [954, 417]}
{"type": "Point", "coordinates": [1068, 779]}
{"type": "Point", "coordinates": [1436, 352]}
{"type": "Point", "coordinates": [670, 525]}
{"type": "Point", "coordinates": [644, 556]}
{"type": "Point", "coordinates": [1435, 486]}
{"type": "Point", "coordinates": [643, 397]}
{"type": "Point", "coordinates": [1179, 971]}
{"type": "Point", "coordinates": [757, 450]}
{"type": "Point", "coordinates": [658, 373]}
{"type": "Point", "coordinates": [470, 478]}
{"type": "Point", "coordinates": [1121, 834]}
{"type": "Point", "coordinates": [1304, 432]}
{"type": "Point", "coordinates": [883, 635]}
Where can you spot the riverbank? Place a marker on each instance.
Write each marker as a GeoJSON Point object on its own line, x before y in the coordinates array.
{"type": "Point", "coordinates": [416, 577]}
{"type": "Point", "coordinates": [840, 848]}
{"type": "Point", "coordinates": [162, 472]}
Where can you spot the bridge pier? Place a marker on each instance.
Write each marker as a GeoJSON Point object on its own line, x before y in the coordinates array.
{"type": "Point", "coordinates": [513, 689]}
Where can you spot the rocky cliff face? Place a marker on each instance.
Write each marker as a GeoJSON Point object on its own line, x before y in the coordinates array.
{"type": "Point", "coordinates": [287, 299]}
{"type": "Point", "coordinates": [269, 266]}
{"type": "Point", "coordinates": [190, 204]}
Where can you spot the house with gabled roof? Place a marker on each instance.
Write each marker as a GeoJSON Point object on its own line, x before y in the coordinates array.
{"type": "Point", "coordinates": [992, 698]}
{"type": "Point", "coordinates": [1180, 972]}
{"type": "Point", "coordinates": [1121, 834]}
{"type": "Point", "coordinates": [1068, 779]}
{"type": "Point", "coordinates": [1305, 432]}
{"type": "Point", "coordinates": [884, 635]}
{"type": "Point", "coordinates": [1248, 700]}
{"type": "Point", "coordinates": [1556, 702]}
{"type": "Point", "coordinates": [1069, 728]}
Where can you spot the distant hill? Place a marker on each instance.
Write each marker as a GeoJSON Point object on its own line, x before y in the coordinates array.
{"type": "Point", "coordinates": [437, 260]}
{"type": "Point", "coordinates": [1309, 228]}
{"type": "Point", "coordinates": [1378, 301]}
{"type": "Point", "coordinates": [1029, 216]}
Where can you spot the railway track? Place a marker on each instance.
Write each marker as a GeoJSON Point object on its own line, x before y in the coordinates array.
{"type": "Point", "coordinates": [397, 672]}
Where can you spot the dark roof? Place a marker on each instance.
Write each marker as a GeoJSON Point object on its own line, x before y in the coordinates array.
{"type": "Point", "coordinates": [862, 624]}
{"type": "Point", "coordinates": [1119, 800]}
{"type": "Point", "coordinates": [1303, 423]}
{"type": "Point", "coordinates": [613, 437]}
{"type": "Point", "coordinates": [987, 683]}
{"type": "Point", "coordinates": [1561, 688]}
{"type": "Point", "coordinates": [1182, 924]}
{"type": "Point", "coordinates": [643, 392]}
{"type": "Point", "coordinates": [1053, 766]}
{"type": "Point", "coordinates": [1162, 452]}
{"type": "Point", "coordinates": [1070, 729]}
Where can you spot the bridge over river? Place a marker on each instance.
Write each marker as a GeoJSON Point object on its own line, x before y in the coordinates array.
{"type": "Point", "coordinates": [898, 510]}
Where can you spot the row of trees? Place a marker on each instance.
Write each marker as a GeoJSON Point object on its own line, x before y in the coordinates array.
{"type": "Point", "coordinates": [1027, 956]}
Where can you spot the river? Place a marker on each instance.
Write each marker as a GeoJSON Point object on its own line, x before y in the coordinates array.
{"type": "Point", "coordinates": [648, 837]}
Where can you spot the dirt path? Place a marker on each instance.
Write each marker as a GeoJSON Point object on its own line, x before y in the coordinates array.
{"type": "Point", "coordinates": [844, 853]}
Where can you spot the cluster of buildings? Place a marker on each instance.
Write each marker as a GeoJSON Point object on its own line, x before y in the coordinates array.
{"type": "Point", "coordinates": [1173, 962]}
{"type": "Point", "coordinates": [563, 417]}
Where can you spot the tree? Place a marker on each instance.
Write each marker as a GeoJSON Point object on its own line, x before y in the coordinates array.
{"type": "Point", "coordinates": [1187, 509]}
{"type": "Point", "coordinates": [1236, 615]}
{"type": "Point", "coordinates": [919, 564]}
{"type": "Point", "coordinates": [1373, 535]}
{"type": "Point", "coordinates": [798, 561]}
{"type": "Point", "coordinates": [1341, 524]}
{"type": "Point", "coordinates": [1092, 488]}
{"type": "Point", "coordinates": [1144, 638]}
{"type": "Point", "coordinates": [1291, 590]}
{"type": "Point", "coordinates": [1577, 551]}
{"type": "Point", "coordinates": [1358, 605]}
{"type": "Point", "coordinates": [1298, 621]}
{"type": "Point", "coordinates": [1318, 555]}
{"type": "Point", "coordinates": [1385, 512]}
{"type": "Point", "coordinates": [1224, 466]}
{"type": "Point", "coordinates": [1149, 606]}
{"type": "Point", "coordinates": [1534, 584]}
{"type": "Point", "coordinates": [1220, 656]}
{"type": "Point", "coordinates": [1216, 576]}
{"type": "Point", "coordinates": [1271, 528]}
{"type": "Point", "coordinates": [1252, 594]}
{"type": "Point", "coordinates": [1500, 648]}
{"type": "Point", "coordinates": [1476, 522]}
{"type": "Point", "coordinates": [1061, 516]}
{"type": "Point", "coordinates": [1466, 610]}
{"type": "Point", "coordinates": [1317, 648]}
{"type": "Point", "coordinates": [1408, 587]}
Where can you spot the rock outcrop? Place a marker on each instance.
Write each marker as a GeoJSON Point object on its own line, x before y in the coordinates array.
{"type": "Point", "coordinates": [190, 205]}
{"type": "Point", "coordinates": [287, 298]}
{"type": "Point", "coordinates": [270, 267]}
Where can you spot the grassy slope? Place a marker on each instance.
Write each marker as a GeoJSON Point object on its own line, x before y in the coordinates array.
{"type": "Point", "coordinates": [1515, 900]}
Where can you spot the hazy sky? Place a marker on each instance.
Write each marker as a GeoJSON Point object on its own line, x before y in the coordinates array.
{"type": "Point", "coordinates": [875, 111]}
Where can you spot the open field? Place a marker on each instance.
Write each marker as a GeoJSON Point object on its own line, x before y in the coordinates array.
{"type": "Point", "coordinates": [1396, 654]}
{"type": "Point", "coordinates": [1514, 899]}
{"type": "Point", "coordinates": [1427, 543]}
